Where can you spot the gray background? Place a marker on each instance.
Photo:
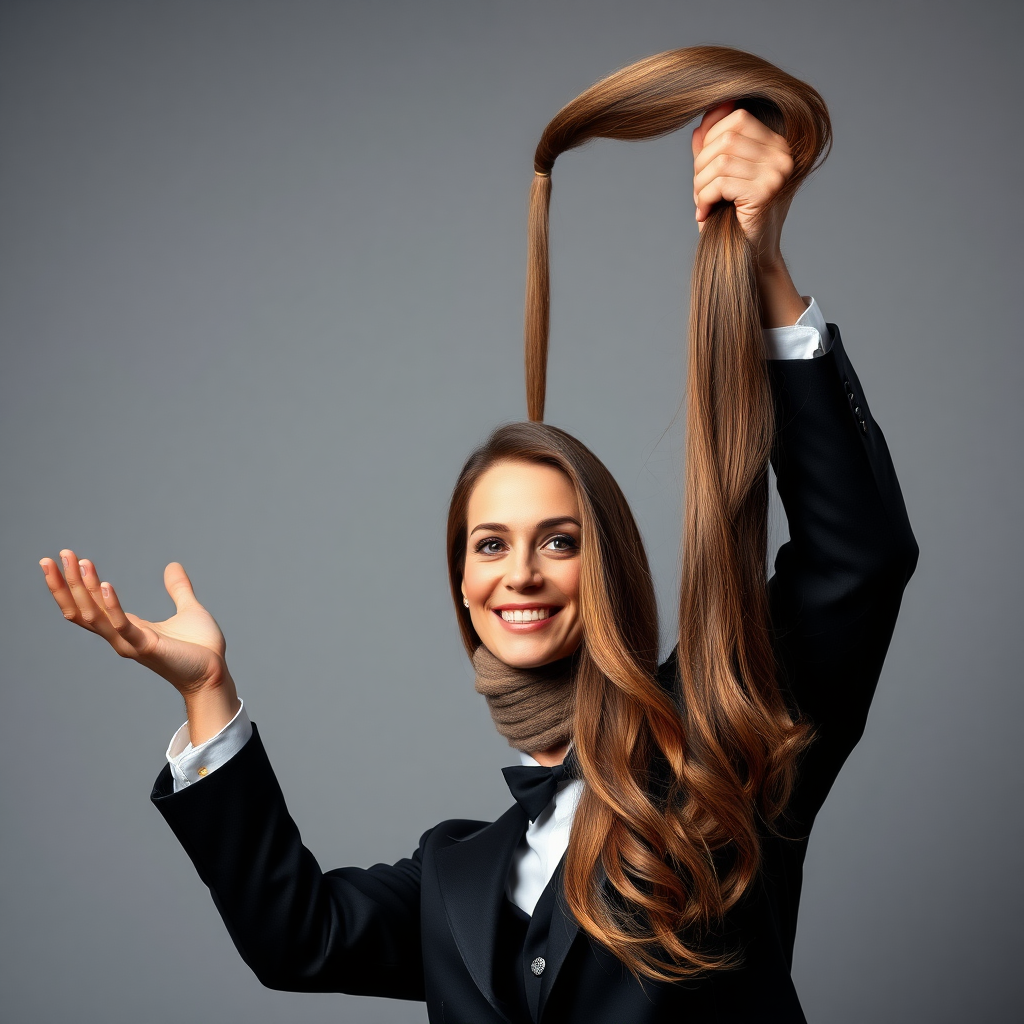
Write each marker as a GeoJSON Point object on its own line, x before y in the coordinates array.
{"type": "Point", "coordinates": [261, 282]}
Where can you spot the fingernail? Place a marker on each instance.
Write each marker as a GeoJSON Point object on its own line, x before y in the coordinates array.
{"type": "Point", "coordinates": [64, 559]}
{"type": "Point", "coordinates": [45, 568]}
{"type": "Point", "coordinates": [106, 591]}
{"type": "Point", "coordinates": [83, 568]}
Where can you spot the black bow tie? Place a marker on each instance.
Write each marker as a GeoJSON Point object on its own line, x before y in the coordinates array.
{"type": "Point", "coordinates": [534, 788]}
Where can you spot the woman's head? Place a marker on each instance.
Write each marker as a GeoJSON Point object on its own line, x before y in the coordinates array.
{"type": "Point", "coordinates": [521, 570]}
{"type": "Point", "coordinates": [539, 527]}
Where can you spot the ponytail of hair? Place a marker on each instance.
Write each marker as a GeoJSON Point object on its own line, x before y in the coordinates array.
{"type": "Point", "coordinates": [650, 875]}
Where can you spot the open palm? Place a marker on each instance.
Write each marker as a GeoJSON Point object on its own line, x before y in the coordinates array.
{"type": "Point", "coordinates": [187, 649]}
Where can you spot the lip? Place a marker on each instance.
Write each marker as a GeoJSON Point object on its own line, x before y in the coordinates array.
{"type": "Point", "coordinates": [526, 627]}
{"type": "Point", "coordinates": [524, 607]}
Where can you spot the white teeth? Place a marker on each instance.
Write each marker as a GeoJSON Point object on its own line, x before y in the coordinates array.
{"type": "Point", "coordinates": [530, 615]}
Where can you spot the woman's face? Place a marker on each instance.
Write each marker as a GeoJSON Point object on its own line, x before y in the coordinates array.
{"type": "Point", "coordinates": [522, 571]}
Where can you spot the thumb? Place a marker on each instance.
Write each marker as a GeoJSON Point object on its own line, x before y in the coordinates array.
{"type": "Point", "coordinates": [711, 117]}
{"type": "Point", "coordinates": [179, 586]}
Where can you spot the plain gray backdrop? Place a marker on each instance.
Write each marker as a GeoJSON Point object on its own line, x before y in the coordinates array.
{"type": "Point", "coordinates": [261, 273]}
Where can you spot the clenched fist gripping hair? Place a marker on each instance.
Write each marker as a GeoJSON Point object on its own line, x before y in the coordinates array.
{"type": "Point", "coordinates": [677, 856]}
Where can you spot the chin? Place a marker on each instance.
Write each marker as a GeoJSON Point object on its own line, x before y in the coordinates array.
{"type": "Point", "coordinates": [526, 655]}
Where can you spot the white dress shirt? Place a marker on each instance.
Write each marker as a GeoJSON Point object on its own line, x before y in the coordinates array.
{"type": "Point", "coordinates": [546, 839]}
{"type": "Point", "coordinates": [540, 850]}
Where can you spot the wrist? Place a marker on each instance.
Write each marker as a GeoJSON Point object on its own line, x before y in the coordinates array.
{"type": "Point", "coordinates": [769, 262]}
{"type": "Point", "coordinates": [211, 707]}
{"type": "Point", "coordinates": [781, 303]}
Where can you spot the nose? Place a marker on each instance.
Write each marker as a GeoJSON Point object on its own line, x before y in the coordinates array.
{"type": "Point", "coordinates": [523, 573]}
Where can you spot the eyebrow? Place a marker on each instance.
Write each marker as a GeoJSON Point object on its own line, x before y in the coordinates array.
{"type": "Point", "coordinates": [544, 524]}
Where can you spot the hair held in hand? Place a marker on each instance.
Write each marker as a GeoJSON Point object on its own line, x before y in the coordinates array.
{"type": "Point", "coordinates": [652, 869]}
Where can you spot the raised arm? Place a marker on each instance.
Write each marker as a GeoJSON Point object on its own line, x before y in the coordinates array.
{"type": "Point", "coordinates": [350, 930]}
{"type": "Point", "coordinates": [300, 929]}
{"type": "Point", "coordinates": [839, 580]}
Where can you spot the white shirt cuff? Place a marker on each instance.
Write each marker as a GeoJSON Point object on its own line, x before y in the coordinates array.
{"type": "Point", "coordinates": [807, 338]}
{"type": "Point", "coordinates": [190, 764]}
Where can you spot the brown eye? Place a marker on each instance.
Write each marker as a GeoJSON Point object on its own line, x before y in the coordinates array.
{"type": "Point", "coordinates": [489, 546]}
{"type": "Point", "coordinates": [563, 542]}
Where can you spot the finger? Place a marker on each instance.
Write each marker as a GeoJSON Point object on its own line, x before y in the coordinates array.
{"type": "Point", "coordinates": [730, 144]}
{"type": "Point", "coordinates": [127, 630]}
{"type": "Point", "coordinates": [59, 588]}
{"type": "Point", "coordinates": [90, 615]}
{"type": "Point", "coordinates": [706, 199]}
{"type": "Point", "coordinates": [742, 122]}
{"type": "Point", "coordinates": [90, 580]}
{"type": "Point", "coordinates": [721, 190]}
{"type": "Point", "coordinates": [709, 120]}
{"type": "Point", "coordinates": [718, 190]}
{"type": "Point", "coordinates": [179, 586]}
{"type": "Point", "coordinates": [725, 165]}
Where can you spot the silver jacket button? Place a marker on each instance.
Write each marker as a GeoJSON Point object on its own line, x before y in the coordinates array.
{"type": "Point", "coordinates": [538, 966]}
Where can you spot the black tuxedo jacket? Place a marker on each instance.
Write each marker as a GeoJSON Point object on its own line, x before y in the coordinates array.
{"type": "Point", "coordinates": [426, 927]}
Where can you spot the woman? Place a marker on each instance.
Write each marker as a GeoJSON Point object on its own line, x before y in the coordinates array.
{"type": "Point", "coordinates": [664, 788]}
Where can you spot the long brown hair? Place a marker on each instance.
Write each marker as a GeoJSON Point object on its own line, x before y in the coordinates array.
{"type": "Point", "coordinates": [678, 863]}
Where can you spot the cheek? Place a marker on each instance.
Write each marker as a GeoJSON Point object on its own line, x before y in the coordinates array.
{"type": "Point", "coordinates": [566, 576]}
{"type": "Point", "coordinates": [479, 580]}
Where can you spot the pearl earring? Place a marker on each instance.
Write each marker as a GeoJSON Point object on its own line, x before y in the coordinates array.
{"type": "Point", "coordinates": [465, 601]}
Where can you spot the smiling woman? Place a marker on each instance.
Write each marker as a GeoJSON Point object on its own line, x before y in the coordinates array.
{"type": "Point", "coordinates": [521, 576]}
{"type": "Point", "coordinates": [650, 868]}
{"type": "Point", "coordinates": [545, 561]}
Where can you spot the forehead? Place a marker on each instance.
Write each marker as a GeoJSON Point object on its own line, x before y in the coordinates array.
{"type": "Point", "coordinates": [521, 494]}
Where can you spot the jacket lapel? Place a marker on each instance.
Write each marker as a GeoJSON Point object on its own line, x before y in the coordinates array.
{"type": "Point", "coordinates": [471, 874]}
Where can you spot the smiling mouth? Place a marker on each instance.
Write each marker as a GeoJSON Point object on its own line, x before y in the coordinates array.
{"type": "Point", "coordinates": [526, 614]}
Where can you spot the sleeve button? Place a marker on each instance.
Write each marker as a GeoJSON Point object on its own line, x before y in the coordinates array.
{"type": "Point", "coordinates": [204, 771]}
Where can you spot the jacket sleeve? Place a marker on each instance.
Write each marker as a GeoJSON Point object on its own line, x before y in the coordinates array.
{"type": "Point", "coordinates": [300, 929]}
{"type": "Point", "coordinates": [839, 580]}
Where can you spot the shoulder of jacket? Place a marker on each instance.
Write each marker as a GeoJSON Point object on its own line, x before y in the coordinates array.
{"type": "Point", "coordinates": [454, 830]}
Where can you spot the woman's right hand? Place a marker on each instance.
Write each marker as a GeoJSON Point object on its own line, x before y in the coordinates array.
{"type": "Point", "coordinates": [187, 649]}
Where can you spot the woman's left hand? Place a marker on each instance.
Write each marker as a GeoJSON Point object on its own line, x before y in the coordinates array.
{"type": "Point", "coordinates": [737, 159]}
